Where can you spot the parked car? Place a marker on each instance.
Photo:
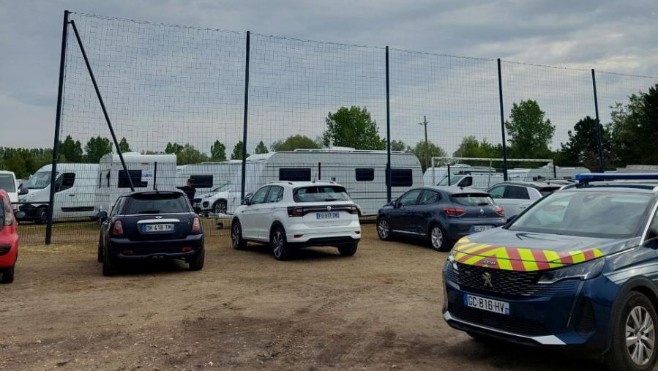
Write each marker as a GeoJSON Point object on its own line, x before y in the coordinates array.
{"type": "Point", "coordinates": [8, 239]}
{"type": "Point", "coordinates": [514, 197]}
{"type": "Point", "coordinates": [576, 269]}
{"type": "Point", "coordinates": [150, 225]}
{"type": "Point", "coordinates": [441, 215]}
{"type": "Point", "coordinates": [9, 184]}
{"type": "Point", "coordinates": [214, 201]}
{"type": "Point", "coordinates": [290, 215]}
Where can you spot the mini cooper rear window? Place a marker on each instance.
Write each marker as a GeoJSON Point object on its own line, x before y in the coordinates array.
{"type": "Point", "coordinates": [472, 199]}
{"type": "Point", "coordinates": [320, 194]}
{"type": "Point", "coordinates": [156, 204]}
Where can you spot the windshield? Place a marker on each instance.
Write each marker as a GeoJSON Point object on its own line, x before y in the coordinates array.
{"type": "Point", "coordinates": [453, 180]}
{"type": "Point", "coordinates": [7, 183]}
{"type": "Point", "coordinates": [320, 194]}
{"type": "Point", "coordinates": [221, 188]}
{"type": "Point", "coordinates": [597, 214]}
{"type": "Point", "coordinates": [39, 180]}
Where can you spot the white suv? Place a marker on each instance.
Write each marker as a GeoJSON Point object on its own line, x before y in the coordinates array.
{"type": "Point", "coordinates": [289, 215]}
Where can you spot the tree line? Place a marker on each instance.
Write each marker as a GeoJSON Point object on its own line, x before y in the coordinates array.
{"type": "Point", "coordinates": [627, 139]}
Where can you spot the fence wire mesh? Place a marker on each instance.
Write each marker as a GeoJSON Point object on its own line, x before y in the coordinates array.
{"type": "Point", "coordinates": [182, 91]}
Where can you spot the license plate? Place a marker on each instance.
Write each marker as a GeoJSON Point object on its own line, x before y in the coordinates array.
{"type": "Point", "coordinates": [327, 215]}
{"type": "Point", "coordinates": [150, 228]}
{"type": "Point", "coordinates": [480, 228]}
{"type": "Point", "coordinates": [490, 305]}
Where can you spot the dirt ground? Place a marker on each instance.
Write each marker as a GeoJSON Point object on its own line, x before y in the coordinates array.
{"type": "Point", "coordinates": [378, 310]}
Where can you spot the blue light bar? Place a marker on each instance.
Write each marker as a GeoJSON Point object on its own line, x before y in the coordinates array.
{"type": "Point", "coordinates": [592, 177]}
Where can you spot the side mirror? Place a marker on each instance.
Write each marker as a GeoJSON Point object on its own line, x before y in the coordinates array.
{"type": "Point", "coordinates": [102, 216]}
{"type": "Point", "coordinates": [22, 190]}
{"type": "Point", "coordinates": [247, 199]}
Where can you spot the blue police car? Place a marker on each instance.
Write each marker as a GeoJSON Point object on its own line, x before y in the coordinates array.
{"type": "Point", "coordinates": [578, 269]}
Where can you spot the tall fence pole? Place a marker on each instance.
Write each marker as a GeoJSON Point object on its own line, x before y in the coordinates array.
{"type": "Point", "coordinates": [502, 120]}
{"type": "Point", "coordinates": [388, 132]}
{"type": "Point", "coordinates": [58, 122]}
{"type": "Point", "coordinates": [599, 140]}
{"type": "Point", "coordinates": [246, 111]}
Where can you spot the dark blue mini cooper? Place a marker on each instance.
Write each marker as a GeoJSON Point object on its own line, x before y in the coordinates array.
{"type": "Point", "coordinates": [578, 269]}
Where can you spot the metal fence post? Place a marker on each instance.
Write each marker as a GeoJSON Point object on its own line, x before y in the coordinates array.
{"type": "Point", "coordinates": [58, 122]}
{"type": "Point", "coordinates": [502, 120]}
{"type": "Point", "coordinates": [599, 140]}
{"type": "Point", "coordinates": [388, 132]}
{"type": "Point", "coordinates": [246, 111]}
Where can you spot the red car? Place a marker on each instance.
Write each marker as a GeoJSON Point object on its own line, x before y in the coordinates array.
{"type": "Point", "coordinates": [8, 239]}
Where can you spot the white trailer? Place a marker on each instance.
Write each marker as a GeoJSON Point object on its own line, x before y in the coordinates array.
{"type": "Point", "coordinates": [75, 192]}
{"type": "Point", "coordinates": [545, 172]}
{"type": "Point", "coordinates": [361, 172]}
{"type": "Point", "coordinates": [147, 172]}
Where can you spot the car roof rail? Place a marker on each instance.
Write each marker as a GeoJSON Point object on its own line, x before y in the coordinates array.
{"type": "Point", "coordinates": [593, 177]}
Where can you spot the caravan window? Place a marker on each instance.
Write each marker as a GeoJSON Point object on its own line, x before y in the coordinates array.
{"type": "Point", "coordinates": [202, 181]}
{"type": "Point", "coordinates": [364, 174]}
{"type": "Point", "coordinates": [400, 178]}
{"type": "Point", "coordinates": [135, 175]}
{"type": "Point", "coordinates": [295, 174]}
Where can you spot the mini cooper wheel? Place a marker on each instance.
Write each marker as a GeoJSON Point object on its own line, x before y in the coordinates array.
{"type": "Point", "coordinates": [279, 245]}
{"type": "Point", "coordinates": [634, 335]}
{"type": "Point", "coordinates": [196, 262]}
{"type": "Point", "coordinates": [236, 236]}
{"type": "Point", "coordinates": [383, 229]}
{"type": "Point", "coordinates": [100, 250]}
{"type": "Point", "coordinates": [437, 238]}
{"type": "Point", "coordinates": [109, 264]}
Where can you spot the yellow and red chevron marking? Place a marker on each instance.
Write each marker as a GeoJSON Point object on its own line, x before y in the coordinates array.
{"type": "Point", "coordinates": [517, 258]}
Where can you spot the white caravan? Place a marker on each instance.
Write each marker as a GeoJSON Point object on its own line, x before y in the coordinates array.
{"type": "Point", "coordinates": [361, 172]}
{"type": "Point", "coordinates": [10, 185]}
{"type": "Point", "coordinates": [75, 186]}
{"type": "Point", "coordinates": [147, 172]}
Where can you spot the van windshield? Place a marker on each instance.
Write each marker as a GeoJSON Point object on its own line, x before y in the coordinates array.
{"type": "Point", "coordinates": [453, 180]}
{"type": "Point", "coordinates": [7, 183]}
{"type": "Point", "coordinates": [39, 180]}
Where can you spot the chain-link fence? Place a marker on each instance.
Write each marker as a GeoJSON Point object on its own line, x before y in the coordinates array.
{"type": "Point", "coordinates": [208, 96]}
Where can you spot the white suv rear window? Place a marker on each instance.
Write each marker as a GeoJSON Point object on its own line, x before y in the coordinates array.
{"type": "Point", "coordinates": [320, 194]}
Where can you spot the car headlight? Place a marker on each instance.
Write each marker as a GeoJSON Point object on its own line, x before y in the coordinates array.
{"type": "Point", "coordinates": [581, 271]}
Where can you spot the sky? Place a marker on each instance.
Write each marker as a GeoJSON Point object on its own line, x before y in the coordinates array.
{"type": "Point", "coordinates": [571, 37]}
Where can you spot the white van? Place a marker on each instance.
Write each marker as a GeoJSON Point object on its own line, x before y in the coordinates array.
{"type": "Point", "coordinates": [10, 185]}
{"type": "Point", "coordinates": [75, 186]}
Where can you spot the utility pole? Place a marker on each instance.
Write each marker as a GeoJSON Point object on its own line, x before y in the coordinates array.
{"type": "Point", "coordinates": [427, 148]}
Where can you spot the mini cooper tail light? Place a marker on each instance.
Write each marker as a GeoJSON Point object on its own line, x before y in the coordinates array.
{"type": "Point", "coordinates": [499, 210]}
{"type": "Point", "coordinates": [294, 211]}
{"type": "Point", "coordinates": [117, 228]}
{"type": "Point", "coordinates": [454, 211]}
{"type": "Point", "coordinates": [196, 225]}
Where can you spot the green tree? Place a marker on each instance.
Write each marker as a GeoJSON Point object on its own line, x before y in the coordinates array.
{"type": "Point", "coordinates": [70, 150]}
{"type": "Point", "coordinates": [261, 148]}
{"type": "Point", "coordinates": [218, 151]}
{"type": "Point", "coordinates": [124, 146]}
{"type": "Point", "coordinates": [173, 148]}
{"type": "Point", "coordinates": [634, 128]}
{"type": "Point", "coordinates": [294, 142]}
{"type": "Point", "coordinates": [582, 150]}
{"type": "Point", "coordinates": [237, 151]}
{"type": "Point", "coordinates": [190, 155]}
{"type": "Point", "coordinates": [471, 147]}
{"type": "Point", "coordinates": [96, 148]}
{"type": "Point", "coordinates": [352, 127]}
{"type": "Point", "coordinates": [529, 133]}
{"type": "Point", "coordinates": [398, 145]}
{"type": "Point", "coordinates": [422, 151]}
